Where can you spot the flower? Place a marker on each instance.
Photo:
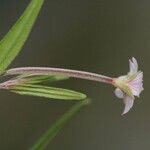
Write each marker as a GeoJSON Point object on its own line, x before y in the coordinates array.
{"type": "Point", "coordinates": [129, 86]}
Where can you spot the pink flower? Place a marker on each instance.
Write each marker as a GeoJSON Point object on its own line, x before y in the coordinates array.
{"type": "Point", "coordinates": [129, 86]}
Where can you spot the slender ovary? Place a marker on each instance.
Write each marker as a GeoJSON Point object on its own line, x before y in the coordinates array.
{"type": "Point", "coordinates": [60, 71]}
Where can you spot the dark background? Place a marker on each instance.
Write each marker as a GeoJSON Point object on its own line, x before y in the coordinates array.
{"type": "Point", "coordinates": [92, 35]}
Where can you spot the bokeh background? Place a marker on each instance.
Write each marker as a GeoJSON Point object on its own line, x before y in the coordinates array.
{"type": "Point", "coordinates": [92, 35]}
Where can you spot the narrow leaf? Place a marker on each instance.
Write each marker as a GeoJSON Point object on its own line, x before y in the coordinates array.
{"type": "Point", "coordinates": [47, 92]}
{"type": "Point", "coordinates": [49, 135]}
{"type": "Point", "coordinates": [14, 40]}
{"type": "Point", "coordinates": [34, 79]}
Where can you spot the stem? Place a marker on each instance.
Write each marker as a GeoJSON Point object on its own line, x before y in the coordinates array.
{"type": "Point", "coordinates": [60, 71]}
{"type": "Point", "coordinates": [10, 83]}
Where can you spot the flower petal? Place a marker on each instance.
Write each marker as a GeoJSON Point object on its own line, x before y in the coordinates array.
{"type": "Point", "coordinates": [133, 66]}
{"type": "Point", "coordinates": [137, 84]}
{"type": "Point", "coordinates": [128, 101]}
{"type": "Point", "coordinates": [119, 93]}
{"type": "Point", "coordinates": [135, 63]}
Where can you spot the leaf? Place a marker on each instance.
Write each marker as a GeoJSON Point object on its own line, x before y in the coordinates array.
{"type": "Point", "coordinates": [43, 78]}
{"type": "Point", "coordinates": [56, 127]}
{"type": "Point", "coordinates": [47, 92]}
{"type": "Point", "coordinates": [34, 79]}
{"type": "Point", "coordinates": [14, 40]}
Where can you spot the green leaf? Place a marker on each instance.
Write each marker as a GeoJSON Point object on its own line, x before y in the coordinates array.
{"type": "Point", "coordinates": [44, 78]}
{"type": "Point", "coordinates": [14, 40]}
{"type": "Point", "coordinates": [49, 135]}
{"type": "Point", "coordinates": [47, 92]}
{"type": "Point", "coordinates": [34, 79]}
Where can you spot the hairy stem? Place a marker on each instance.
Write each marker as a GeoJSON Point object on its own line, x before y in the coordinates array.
{"type": "Point", "coordinates": [8, 84]}
{"type": "Point", "coordinates": [60, 71]}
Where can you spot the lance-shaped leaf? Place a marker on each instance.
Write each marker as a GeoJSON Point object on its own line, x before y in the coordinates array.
{"type": "Point", "coordinates": [47, 92]}
{"type": "Point", "coordinates": [49, 135]}
{"type": "Point", "coordinates": [34, 79]}
{"type": "Point", "coordinates": [14, 40]}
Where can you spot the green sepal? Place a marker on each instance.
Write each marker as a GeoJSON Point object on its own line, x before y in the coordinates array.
{"type": "Point", "coordinates": [124, 87]}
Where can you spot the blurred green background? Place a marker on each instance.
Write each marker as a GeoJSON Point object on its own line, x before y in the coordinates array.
{"type": "Point", "coordinates": [92, 35]}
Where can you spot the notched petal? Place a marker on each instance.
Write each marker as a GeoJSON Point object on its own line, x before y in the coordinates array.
{"type": "Point", "coordinates": [128, 102]}
{"type": "Point", "coordinates": [133, 65]}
